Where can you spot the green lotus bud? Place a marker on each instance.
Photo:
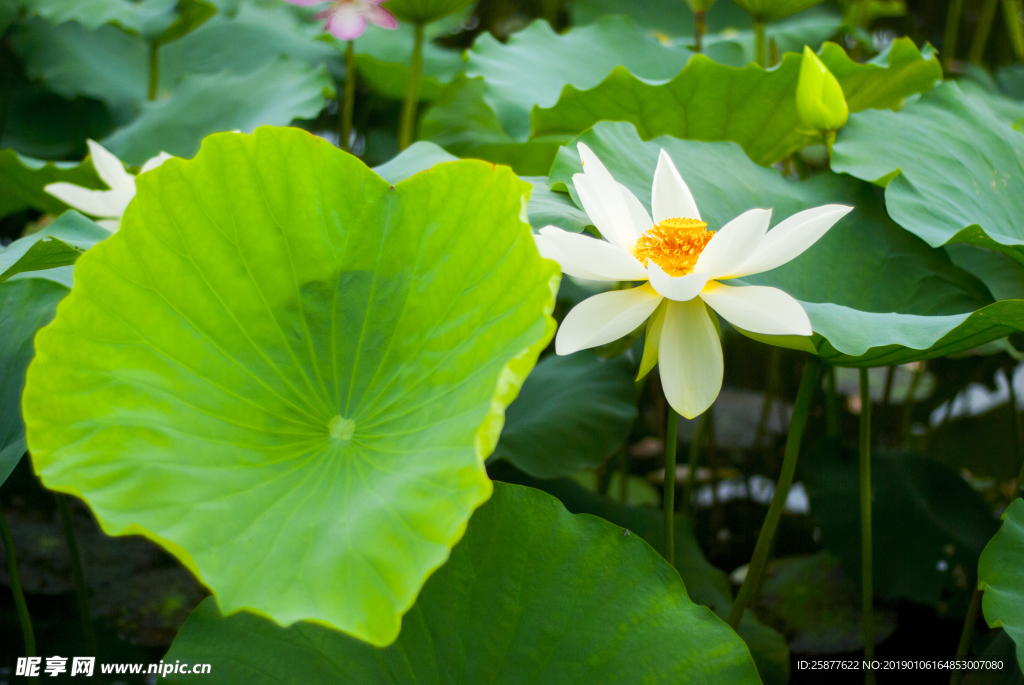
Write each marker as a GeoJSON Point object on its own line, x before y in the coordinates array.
{"type": "Point", "coordinates": [819, 97]}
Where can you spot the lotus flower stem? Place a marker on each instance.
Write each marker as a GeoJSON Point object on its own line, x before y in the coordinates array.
{"type": "Point", "coordinates": [763, 548]}
{"type": "Point", "coordinates": [956, 8]}
{"type": "Point", "coordinates": [154, 70]}
{"type": "Point", "coordinates": [1011, 11]}
{"type": "Point", "coordinates": [867, 580]}
{"type": "Point", "coordinates": [700, 27]}
{"type": "Point", "coordinates": [671, 442]}
{"type": "Point", "coordinates": [771, 390]}
{"type": "Point", "coordinates": [81, 589]}
{"type": "Point", "coordinates": [760, 51]}
{"type": "Point", "coordinates": [832, 418]}
{"type": "Point", "coordinates": [981, 33]}
{"type": "Point", "coordinates": [695, 444]}
{"type": "Point", "coordinates": [908, 404]}
{"type": "Point", "coordinates": [19, 597]}
{"type": "Point", "coordinates": [550, 8]}
{"type": "Point", "coordinates": [890, 376]}
{"type": "Point", "coordinates": [624, 472]}
{"type": "Point", "coordinates": [349, 105]}
{"type": "Point", "coordinates": [966, 637]}
{"type": "Point", "coordinates": [1020, 480]}
{"type": "Point", "coordinates": [412, 96]}
{"type": "Point", "coordinates": [1015, 438]}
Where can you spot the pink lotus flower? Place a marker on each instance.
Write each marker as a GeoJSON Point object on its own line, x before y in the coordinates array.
{"type": "Point", "coordinates": [347, 19]}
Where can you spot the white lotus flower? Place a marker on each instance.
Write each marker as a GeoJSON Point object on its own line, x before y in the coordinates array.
{"type": "Point", "coordinates": [108, 205]}
{"type": "Point", "coordinates": [684, 265]}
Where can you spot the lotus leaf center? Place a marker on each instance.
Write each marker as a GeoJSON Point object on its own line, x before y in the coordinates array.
{"type": "Point", "coordinates": [674, 245]}
{"type": "Point", "coordinates": [341, 428]}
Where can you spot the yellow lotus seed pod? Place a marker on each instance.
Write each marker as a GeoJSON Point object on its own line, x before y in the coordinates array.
{"type": "Point", "coordinates": [819, 97]}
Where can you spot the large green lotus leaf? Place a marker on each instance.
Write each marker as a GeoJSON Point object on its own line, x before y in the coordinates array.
{"type": "Point", "coordinates": [705, 584]}
{"type": "Point", "coordinates": [665, 17]}
{"type": "Point", "coordinates": [8, 13]}
{"type": "Point", "coordinates": [191, 15]}
{"type": "Point", "coordinates": [956, 170]}
{"type": "Point", "coordinates": [750, 106]}
{"type": "Point", "coordinates": [1003, 277]}
{"type": "Point", "coordinates": [418, 157]}
{"type": "Point", "coordinates": [487, 116]}
{"type": "Point", "coordinates": [1001, 576]}
{"type": "Point", "coordinates": [817, 605]}
{"type": "Point", "coordinates": [288, 372]}
{"type": "Point", "coordinates": [24, 178]}
{"type": "Point", "coordinates": [43, 253]}
{"type": "Point", "coordinates": [25, 306]}
{"type": "Point", "coordinates": [424, 11]}
{"type": "Point", "coordinates": [875, 293]}
{"type": "Point", "coordinates": [1011, 80]}
{"type": "Point", "coordinates": [537, 63]}
{"type": "Point", "coordinates": [546, 207]}
{"type": "Point", "coordinates": [549, 208]}
{"type": "Point", "coordinates": [769, 10]}
{"type": "Point", "coordinates": [383, 57]}
{"type": "Point", "coordinates": [44, 125]}
{"type": "Point", "coordinates": [737, 48]}
{"type": "Point", "coordinates": [111, 65]}
{"type": "Point", "coordinates": [982, 444]}
{"type": "Point", "coordinates": [106, 63]}
{"type": "Point", "coordinates": [532, 594]}
{"type": "Point", "coordinates": [929, 525]}
{"type": "Point", "coordinates": [997, 646]}
{"type": "Point", "coordinates": [149, 18]}
{"type": "Point", "coordinates": [980, 86]}
{"type": "Point", "coordinates": [573, 413]}
{"type": "Point", "coordinates": [276, 94]}
{"type": "Point", "coordinates": [464, 124]}
{"type": "Point", "coordinates": [247, 41]}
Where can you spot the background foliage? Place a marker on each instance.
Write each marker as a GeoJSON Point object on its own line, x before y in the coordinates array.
{"type": "Point", "coordinates": [923, 284]}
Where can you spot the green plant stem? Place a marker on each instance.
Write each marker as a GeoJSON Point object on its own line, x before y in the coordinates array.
{"type": "Point", "coordinates": [624, 471]}
{"type": "Point", "coordinates": [154, 70]}
{"type": "Point", "coordinates": [760, 51]}
{"type": "Point", "coordinates": [890, 376]}
{"type": "Point", "coordinates": [908, 404]}
{"type": "Point", "coordinates": [407, 128]}
{"type": "Point", "coordinates": [771, 391]}
{"type": "Point", "coordinates": [348, 107]}
{"type": "Point", "coordinates": [966, 636]}
{"type": "Point", "coordinates": [982, 31]}
{"type": "Point", "coordinates": [1011, 12]}
{"type": "Point", "coordinates": [832, 418]}
{"type": "Point", "coordinates": [866, 567]}
{"type": "Point", "coordinates": [694, 460]}
{"type": "Point", "coordinates": [19, 597]}
{"type": "Point", "coordinates": [81, 589]}
{"type": "Point", "coordinates": [1020, 480]}
{"type": "Point", "coordinates": [1015, 439]}
{"type": "Point", "coordinates": [671, 442]}
{"type": "Point", "coordinates": [762, 550]}
{"type": "Point", "coordinates": [551, 13]}
{"type": "Point", "coordinates": [830, 141]}
{"type": "Point", "coordinates": [700, 27]}
{"type": "Point", "coordinates": [6, 81]}
{"type": "Point", "coordinates": [956, 8]}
